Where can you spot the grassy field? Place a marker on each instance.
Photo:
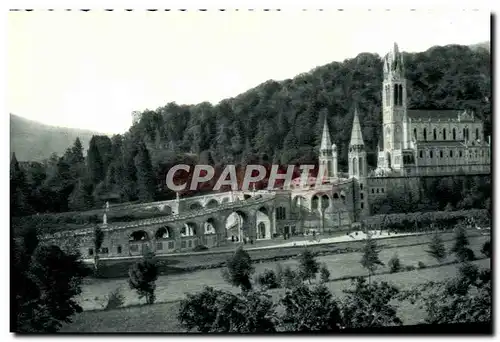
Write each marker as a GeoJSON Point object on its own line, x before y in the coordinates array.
{"type": "Point", "coordinates": [174, 264]}
{"type": "Point", "coordinates": [175, 286]}
{"type": "Point", "coordinates": [163, 317]}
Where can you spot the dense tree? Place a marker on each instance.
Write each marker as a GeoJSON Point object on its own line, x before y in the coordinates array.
{"type": "Point", "coordinates": [370, 259]}
{"type": "Point", "coordinates": [369, 305]}
{"type": "Point", "coordinates": [145, 175]}
{"type": "Point", "coordinates": [217, 311]}
{"type": "Point", "coordinates": [95, 163]}
{"type": "Point", "coordinates": [239, 270]}
{"type": "Point", "coordinates": [18, 189]}
{"type": "Point", "coordinates": [310, 310]}
{"type": "Point", "coordinates": [308, 265]}
{"type": "Point", "coordinates": [142, 278]}
{"type": "Point", "coordinates": [459, 248]}
{"type": "Point", "coordinates": [47, 282]}
{"type": "Point", "coordinates": [437, 249]}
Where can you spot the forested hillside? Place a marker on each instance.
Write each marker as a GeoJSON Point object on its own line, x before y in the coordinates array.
{"type": "Point", "coordinates": [34, 141]}
{"type": "Point", "coordinates": [274, 122]}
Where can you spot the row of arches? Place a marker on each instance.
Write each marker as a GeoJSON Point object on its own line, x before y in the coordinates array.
{"type": "Point", "coordinates": [465, 134]}
{"type": "Point", "coordinates": [213, 203]}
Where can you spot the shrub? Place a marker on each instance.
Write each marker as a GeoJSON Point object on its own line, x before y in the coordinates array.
{"type": "Point", "coordinates": [268, 279]}
{"type": "Point", "coordinates": [410, 268]}
{"type": "Point", "coordinates": [221, 312]}
{"type": "Point", "coordinates": [199, 248]}
{"type": "Point", "coordinates": [308, 310]}
{"type": "Point", "coordinates": [290, 278]}
{"type": "Point", "coordinates": [436, 248]}
{"type": "Point", "coordinates": [324, 274]}
{"type": "Point", "coordinates": [115, 299]}
{"type": "Point", "coordinates": [421, 265]}
{"type": "Point", "coordinates": [395, 264]}
{"type": "Point", "coordinates": [368, 305]}
{"type": "Point", "coordinates": [461, 242]}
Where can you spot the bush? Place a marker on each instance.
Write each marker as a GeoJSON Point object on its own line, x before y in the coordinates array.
{"type": "Point", "coordinates": [200, 248]}
{"type": "Point", "coordinates": [290, 278]}
{"type": "Point", "coordinates": [115, 299]}
{"type": "Point", "coordinates": [421, 265]}
{"type": "Point", "coordinates": [486, 250]}
{"type": "Point", "coordinates": [395, 264]}
{"type": "Point", "coordinates": [324, 274]}
{"type": "Point", "coordinates": [268, 279]}
{"type": "Point", "coordinates": [410, 268]}
{"type": "Point", "coordinates": [221, 312]}
{"type": "Point", "coordinates": [308, 310]}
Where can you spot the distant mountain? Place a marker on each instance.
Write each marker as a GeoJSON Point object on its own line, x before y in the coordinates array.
{"type": "Point", "coordinates": [34, 141]}
{"type": "Point", "coordinates": [484, 45]}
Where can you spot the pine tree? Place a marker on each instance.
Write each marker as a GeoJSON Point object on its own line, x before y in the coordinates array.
{"type": "Point", "coordinates": [95, 163]}
{"type": "Point", "coordinates": [308, 265]}
{"type": "Point", "coordinates": [238, 270]}
{"type": "Point", "coordinates": [436, 248]}
{"type": "Point", "coordinates": [142, 278]}
{"type": "Point", "coordinates": [461, 242]}
{"type": "Point", "coordinates": [370, 259]}
{"type": "Point", "coordinates": [145, 176]}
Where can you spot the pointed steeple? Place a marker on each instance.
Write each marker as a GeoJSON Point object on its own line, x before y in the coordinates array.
{"type": "Point", "coordinates": [326, 143]}
{"type": "Point", "coordinates": [356, 136]}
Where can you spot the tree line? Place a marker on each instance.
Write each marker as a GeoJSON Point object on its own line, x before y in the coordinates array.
{"type": "Point", "coordinates": [275, 122]}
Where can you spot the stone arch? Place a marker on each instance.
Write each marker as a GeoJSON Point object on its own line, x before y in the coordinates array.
{"type": "Point", "coordinates": [164, 232]}
{"type": "Point", "coordinates": [213, 203]}
{"type": "Point", "coordinates": [167, 210]}
{"type": "Point", "coordinates": [314, 202]}
{"type": "Point", "coordinates": [234, 222]}
{"type": "Point", "coordinates": [335, 196]}
{"type": "Point", "coordinates": [325, 201]}
{"type": "Point", "coordinates": [195, 206]}
{"type": "Point", "coordinates": [263, 222]}
{"type": "Point", "coordinates": [188, 229]}
{"type": "Point", "coordinates": [210, 227]}
{"type": "Point", "coordinates": [299, 201]}
{"type": "Point", "coordinates": [139, 235]}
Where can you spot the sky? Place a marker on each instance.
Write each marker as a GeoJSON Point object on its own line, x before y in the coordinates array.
{"type": "Point", "coordinates": [91, 70]}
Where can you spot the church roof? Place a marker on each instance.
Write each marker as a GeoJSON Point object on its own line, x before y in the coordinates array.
{"type": "Point", "coordinates": [356, 136]}
{"type": "Point", "coordinates": [326, 143]}
{"type": "Point", "coordinates": [441, 114]}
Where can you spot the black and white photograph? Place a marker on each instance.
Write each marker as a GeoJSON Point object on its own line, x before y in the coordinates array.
{"type": "Point", "coordinates": [239, 171]}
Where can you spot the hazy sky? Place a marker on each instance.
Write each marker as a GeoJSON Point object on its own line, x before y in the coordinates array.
{"type": "Point", "coordinates": [92, 69]}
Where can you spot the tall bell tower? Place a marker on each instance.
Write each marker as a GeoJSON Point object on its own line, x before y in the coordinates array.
{"type": "Point", "coordinates": [395, 132]}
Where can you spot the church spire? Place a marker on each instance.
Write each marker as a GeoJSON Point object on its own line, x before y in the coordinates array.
{"type": "Point", "coordinates": [356, 136]}
{"type": "Point", "coordinates": [326, 143]}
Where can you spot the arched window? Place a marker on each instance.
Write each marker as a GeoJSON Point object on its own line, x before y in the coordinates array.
{"type": "Point", "coordinates": [425, 134]}
{"type": "Point", "coordinates": [354, 166]}
{"type": "Point", "coordinates": [464, 136]}
{"type": "Point", "coordinates": [435, 134]}
{"type": "Point", "coordinates": [454, 134]}
{"type": "Point", "coordinates": [361, 171]}
{"type": "Point", "coordinates": [451, 153]}
{"type": "Point", "coordinates": [415, 133]}
{"type": "Point", "coordinates": [444, 133]}
{"type": "Point", "coordinates": [460, 153]}
{"type": "Point", "coordinates": [396, 95]}
{"type": "Point", "coordinates": [400, 94]}
{"type": "Point", "coordinates": [421, 154]}
{"type": "Point", "coordinates": [441, 154]}
{"type": "Point", "coordinates": [477, 133]}
{"type": "Point", "coordinates": [430, 154]}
